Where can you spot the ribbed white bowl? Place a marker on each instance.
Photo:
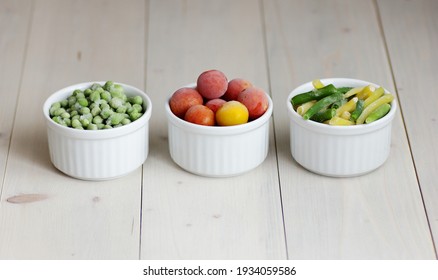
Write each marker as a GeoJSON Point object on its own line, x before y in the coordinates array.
{"type": "Point", "coordinates": [218, 151]}
{"type": "Point", "coordinates": [339, 151]}
{"type": "Point", "coordinates": [98, 154]}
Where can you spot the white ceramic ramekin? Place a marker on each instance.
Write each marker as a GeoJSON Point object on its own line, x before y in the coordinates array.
{"type": "Point", "coordinates": [98, 154]}
{"type": "Point", "coordinates": [218, 151]}
{"type": "Point", "coordinates": [339, 151]}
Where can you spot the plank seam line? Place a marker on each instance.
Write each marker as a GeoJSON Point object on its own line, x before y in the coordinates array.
{"type": "Point", "coordinates": [145, 49]}
{"type": "Point", "coordinates": [388, 56]}
{"type": "Point", "coordinates": [17, 99]}
{"type": "Point", "coordinates": [265, 45]}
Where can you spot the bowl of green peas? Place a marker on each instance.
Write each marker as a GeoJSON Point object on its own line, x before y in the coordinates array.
{"type": "Point", "coordinates": [340, 127]}
{"type": "Point", "coordinates": [98, 130]}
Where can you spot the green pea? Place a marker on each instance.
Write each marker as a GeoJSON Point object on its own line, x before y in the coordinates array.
{"type": "Point", "coordinates": [116, 118]}
{"type": "Point", "coordinates": [136, 100]}
{"type": "Point", "coordinates": [121, 109]}
{"type": "Point", "coordinates": [87, 92]}
{"type": "Point", "coordinates": [85, 122]}
{"type": "Point", "coordinates": [59, 112]}
{"type": "Point", "coordinates": [64, 103]}
{"type": "Point", "coordinates": [105, 95]}
{"type": "Point", "coordinates": [116, 102]}
{"type": "Point", "coordinates": [137, 107]}
{"type": "Point", "coordinates": [94, 96]}
{"type": "Point", "coordinates": [108, 85]}
{"type": "Point", "coordinates": [106, 113]}
{"type": "Point", "coordinates": [95, 111]}
{"type": "Point", "coordinates": [126, 121]}
{"type": "Point", "coordinates": [65, 115]}
{"type": "Point", "coordinates": [76, 92]}
{"type": "Point", "coordinates": [76, 123]}
{"type": "Point", "coordinates": [83, 101]}
{"type": "Point", "coordinates": [67, 122]}
{"type": "Point", "coordinates": [95, 86]}
{"type": "Point", "coordinates": [55, 106]}
{"type": "Point", "coordinates": [92, 126]}
{"type": "Point", "coordinates": [71, 100]}
{"type": "Point", "coordinates": [73, 113]}
{"type": "Point", "coordinates": [97, 120]}
{"type": "Point", "coordinates": [135, 115]}
{"type": "Point", "coordinates": [84, 110]}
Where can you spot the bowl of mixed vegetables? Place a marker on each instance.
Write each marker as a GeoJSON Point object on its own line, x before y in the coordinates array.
{"type": "Point", "coordinates": [98, 130]}
{"type": "Point", "coordinates": [340, 127]}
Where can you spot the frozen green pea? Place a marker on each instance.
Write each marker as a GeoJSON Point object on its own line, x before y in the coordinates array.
{"type": "Point", "coordinates": [137, 107]}
{"type": "Point", "coordinates": [92, 126]}
{"type": "Point", "coordinates": [84, 122]}
{"type": "Point", "coordinates": [108, 85]}
{"type": "Point", "coordinates": [100, 125]}
{"type": "Point", "coordinates": [55, 106]}
{"type": "Point", "coordinates": [88, 116]}
{"type": "Point", "coordinates": [76, 92]}
{"type": "Point", "coordinates": [95, 86]}
{"type": "Point", "coordinates": [106, 113]}
{"type": "Point", "coordinates": [84, 110]}
{"type": "Point", "coordinates": [57, 119]}
{"type": "Point", "coordinates": [67, 122]}
{"type": "Point", "coordinates": [83, 101]}
{"type": "Point", "coordinates": [121, 109]}
{"type": "Point", "coordinates": [97, 120]}
{"type": "Point", "coordinates": [94, 96]}
{"type": "Point", "coordinates": [59, 111]}
{"type": "Point", "coordinates": [75, 117]}
{"type": "Point", "coordinates": [105, 95]}
{"type": "Point", "coordinates": [104, 106]}
{"type": "Point", "coordinates": [135, 115]}
{"type": "Point", "coordinates": [116, 102]}
{"type": "Point", "coordinates": [64, 103]}
{"type": "Point", "coordinates": [87, 92]}
{"type": "Point", "coordinates": [76, 106]}
{"type": "Point", "coordinates": [95, 111]}
{"type": "Point", "coordinates": [107, 126]}
{"type": "Point", "coordinates": [65, 115]}
{"type": "Point", "coordinates": [80, 95]}
{"type": "Point", "coordinates": [93, 105]}
{"type": "Point", "coordinates": [126, 121]}
{"type": "Point", "coordinates": [71, 100]}
{"type": "Point", "coordinates": [76, 123]}
{"type": "Point", "coordinates": [73, 113]}
{"type": "Point", "coordinates": [116, 118]}
{"type": "Point", "coordinates": [136, 100]}
{"type": "Point", "coordinates": [79, 127]}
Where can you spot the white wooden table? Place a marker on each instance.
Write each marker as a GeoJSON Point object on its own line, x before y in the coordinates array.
{"type": "Point", "coordinates": [277, 211]}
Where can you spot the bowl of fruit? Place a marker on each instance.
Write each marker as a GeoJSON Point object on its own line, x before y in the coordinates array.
{"type": "Point", "coordinates": [218, 128]}
{"type": "Point", "coordinates": [98, 130]}
{"type": "Point", "coordinates": [340, 127]}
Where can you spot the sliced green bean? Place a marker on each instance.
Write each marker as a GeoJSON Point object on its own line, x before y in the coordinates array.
{"type": "Point", "coordinates": [322, 104]}
{"type": "Point", "coordinates": [315, 94]}
{"type": "Point", "coordinates": [380, 112]}
{"type": "Point", "coordinates": [359, 108]}
{"type": "Point", "coordinates": [324, 115]}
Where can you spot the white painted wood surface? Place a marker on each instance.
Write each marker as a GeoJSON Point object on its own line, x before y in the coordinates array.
{"type": "Point", "coordinates": [413, 45]}
{"type": "Point", "coordinates": [276, 211]}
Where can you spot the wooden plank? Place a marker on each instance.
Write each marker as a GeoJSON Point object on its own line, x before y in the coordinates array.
{"type": "Point", "coordinates": [14, 25]}
{"type": "Point", "coordinates": [375, 216]}
{"type": "Point", "coordinates": [186, 216]}
{"type": "Point", "coordinates": [412, 44]}
{"type": "Point", "coordinates": [43, 213]}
